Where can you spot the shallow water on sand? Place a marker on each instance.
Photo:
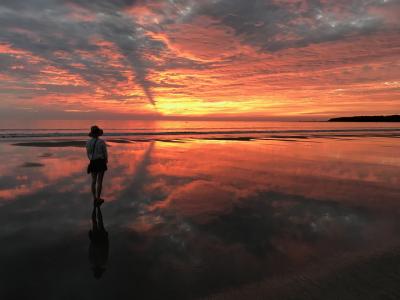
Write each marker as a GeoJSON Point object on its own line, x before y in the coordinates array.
{"type": "Point", "coordinates": [193, 218]}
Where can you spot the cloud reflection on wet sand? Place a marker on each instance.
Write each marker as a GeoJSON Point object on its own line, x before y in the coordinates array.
{"type": "Point", "coordinates": [189, 219]}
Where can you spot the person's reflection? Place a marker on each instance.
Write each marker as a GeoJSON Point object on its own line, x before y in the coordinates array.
{"type": "Point", "coordinates": [98, 249]}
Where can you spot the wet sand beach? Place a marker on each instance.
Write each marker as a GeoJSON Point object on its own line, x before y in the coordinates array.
{"type": "Point", "coordinates": [218, 217]}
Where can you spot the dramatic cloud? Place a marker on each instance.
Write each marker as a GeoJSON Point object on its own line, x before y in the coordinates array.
{"type": "Point", "coordinates": [209, 57]}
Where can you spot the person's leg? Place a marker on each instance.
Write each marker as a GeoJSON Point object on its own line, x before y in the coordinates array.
{"type": "Point", "coordinates": [100, 177]}
{"type": "Point", "coordinates": [94, 180]}
{"type": "Point", "coordinates": [100, 219]}
{"type": "Point", "coordinates": [94, 219]}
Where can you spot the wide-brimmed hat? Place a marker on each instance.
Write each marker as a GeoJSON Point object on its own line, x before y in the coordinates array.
{"type": "Point", "coordinates": [95, 131]}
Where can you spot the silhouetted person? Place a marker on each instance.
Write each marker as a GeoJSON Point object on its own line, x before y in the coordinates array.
{"type": "Point", "coordinates": [96, 150]}
{"type": "Point", "coordinates": [98, 248]}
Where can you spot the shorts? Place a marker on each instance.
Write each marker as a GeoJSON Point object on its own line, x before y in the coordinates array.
{"type": "Point", "coordinates": [97, 166]}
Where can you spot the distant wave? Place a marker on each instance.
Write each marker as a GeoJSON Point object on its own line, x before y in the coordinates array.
{"type": "Point", "coordinates": [190, 133]}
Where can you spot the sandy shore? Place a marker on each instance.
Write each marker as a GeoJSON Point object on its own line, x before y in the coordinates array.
{"type": "Point", "coordinates": [51, 144]}
{"type": "Point", "coordinates": [274, 218]}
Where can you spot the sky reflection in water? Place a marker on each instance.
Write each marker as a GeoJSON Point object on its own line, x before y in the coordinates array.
{"type": "Point", "coordinates": [190, 219]}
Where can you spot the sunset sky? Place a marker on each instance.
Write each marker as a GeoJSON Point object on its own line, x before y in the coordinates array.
{"type": "Point", "coordinates": [278, 59]}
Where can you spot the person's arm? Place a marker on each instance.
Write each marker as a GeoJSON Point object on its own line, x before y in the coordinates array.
{"type": "Point", "coordinates": [105, 151]}
{"type": "Point", "coordinates": [87, 150]}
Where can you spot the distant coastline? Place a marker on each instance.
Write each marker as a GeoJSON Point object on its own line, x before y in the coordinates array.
{"type": "Point", "coordinates": [393, 118]}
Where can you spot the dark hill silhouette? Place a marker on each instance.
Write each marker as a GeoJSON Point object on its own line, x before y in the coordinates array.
{"type": "Point", "coordinates": [393, 118]}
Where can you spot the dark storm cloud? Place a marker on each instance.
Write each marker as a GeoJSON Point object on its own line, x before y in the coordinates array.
{"type": "Point", "coordinates": [48, 29]}
{"type": "Point", "coordinates": [132, 43]}
{"type": "Point", "coordinates": [275, 25]}
{"type": "Point", "coordinates": [271, 25]}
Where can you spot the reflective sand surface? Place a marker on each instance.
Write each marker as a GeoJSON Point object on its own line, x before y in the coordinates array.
{"type": "Point", "coordinates": [194, 218]}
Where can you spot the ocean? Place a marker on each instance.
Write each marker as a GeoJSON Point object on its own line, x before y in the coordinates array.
{"type": "Point", "coordinates": [193, 129]}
